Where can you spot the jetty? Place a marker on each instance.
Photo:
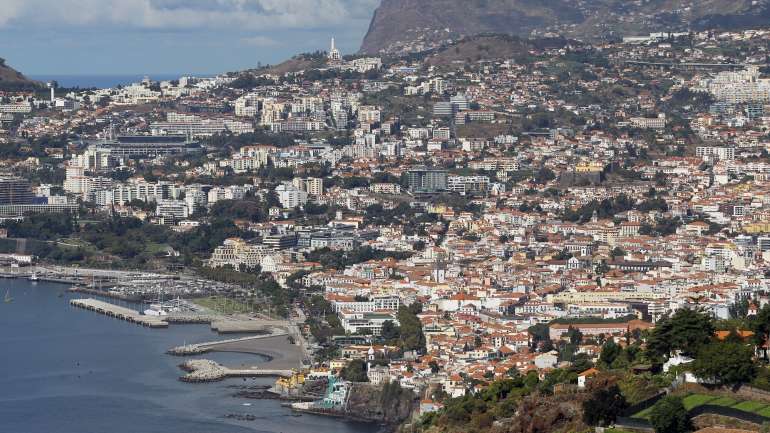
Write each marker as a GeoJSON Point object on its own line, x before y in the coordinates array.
{"type": "Point", "coordinates": [197, 349]}
{"type": "Point", "coordinates": [205, 370]}
{"type": "Point", "coordinates": [119, 312]}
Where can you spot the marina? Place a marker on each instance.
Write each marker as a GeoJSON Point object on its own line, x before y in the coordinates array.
{"type": "Point", "coordinates": [96, 361]}
{"type": "Point", "coordinates": [118, 284]}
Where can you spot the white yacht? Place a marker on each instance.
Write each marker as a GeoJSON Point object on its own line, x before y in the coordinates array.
{"type": "Point", "coordinates": [156, 310]}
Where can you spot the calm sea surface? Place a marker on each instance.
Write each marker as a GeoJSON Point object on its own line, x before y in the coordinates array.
{"type": "Point", "coordinates": [68, 370]}
{"type": "Point", "coordinates": [103, 81]}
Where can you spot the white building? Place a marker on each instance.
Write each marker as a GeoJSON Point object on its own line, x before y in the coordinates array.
{"type": "Point", "coordinates": [236, 252]}
{"type": "Point", "coordinates": [176, 209]}
{"type": "Point", "coordinates": [314, 186]}
{"type": "Point", "coordinates": [722, 153]}
{"type": "Point", "coordinates": [739, 87]}
{"type": "Point", "coordinates": [290, 196]}
{"type": "Point", "coordinates": [370, 323]}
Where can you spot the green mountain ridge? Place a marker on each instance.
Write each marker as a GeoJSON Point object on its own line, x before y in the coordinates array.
{"type": "Point", "coordinates": [400, 26]}
{"type": "Point", "coordinates": [13, 80]}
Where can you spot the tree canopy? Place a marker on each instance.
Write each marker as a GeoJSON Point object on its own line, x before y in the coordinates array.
{"type": "Point", "coordinates": [355, 371]}
{"type": "Point", "coordinates": [726, 363]}
{"type": "Point", "coordinates": [604, 406]}
{"type": "Point", "coordinates": [411, 335]}
{"type": "Point", "coordinates": [687, 331]}
{"type": "Point", "coordinates": [670, 416]}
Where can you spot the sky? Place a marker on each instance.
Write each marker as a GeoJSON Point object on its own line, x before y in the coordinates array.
{"type": "Point", "coordinates": [114, 37]}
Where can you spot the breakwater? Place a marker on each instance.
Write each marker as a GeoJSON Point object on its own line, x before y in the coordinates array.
{"type": "Point", "coordinates": [197, 349]}
{"type": "Point", "coordinates": [205, 370]}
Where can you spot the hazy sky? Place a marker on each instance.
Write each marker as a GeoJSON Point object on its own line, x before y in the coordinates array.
{"type": "Point", "coordinates": [64, 37]}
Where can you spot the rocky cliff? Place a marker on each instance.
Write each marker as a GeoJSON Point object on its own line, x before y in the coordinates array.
{"type": "Point", "coordinates": [387, 404]}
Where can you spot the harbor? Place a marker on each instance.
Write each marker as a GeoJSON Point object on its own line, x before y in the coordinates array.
{"type": "Point", "coordinates": [124, 367]}
{"type": "Point", "coordinates": [280, 344]}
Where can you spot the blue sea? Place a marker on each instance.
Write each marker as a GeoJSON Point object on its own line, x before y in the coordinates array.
{"type": "Point", "coordinates": [68, 370]}
{"type": "Point", "coordinates": [105, 81]}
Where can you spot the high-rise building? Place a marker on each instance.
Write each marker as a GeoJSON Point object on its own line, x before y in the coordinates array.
{"type": "Point", "coordinates": [314, 186]}
{"type": "Point", "coordinates": [15, 190]}
{"type": "Point", "coordinates": [290, 196]}
{"type": "Point", "coordinates": [427, 180]}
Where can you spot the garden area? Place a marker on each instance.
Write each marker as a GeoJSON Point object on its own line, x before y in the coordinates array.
{"type": "Point", "coordinates": [227, 305]}
{"type": "Point", "coordinates": [693, 401]}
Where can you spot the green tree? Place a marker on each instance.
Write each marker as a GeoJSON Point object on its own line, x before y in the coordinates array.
{"type": "Point", "coordinates": [544, 175]}
{"type": "Point", "coordinates": [355, 371]}
{"type": "Point", "coordinates": [727, 363]}
{"type": "Point", "coordinates": [574, 335]}
{"type": "Point", "coordinates": [670, 416]}
{"type": "Point", "coordinates": [412, 337]}
{"type": "Point", "coordinates": [617, 252]}
{"type": "Point", "coordinates": [539, 334]}
{"type": "Point", "coordinates": [390, 331]}
{"type": "Point", "coordinates": [604, 406]}
{"type": "Point", "coordinates": [610, 352]}
{"type": "Point", "coordinates": [761, 325]}
{"type": "Point", "coordinates": [687, 330]}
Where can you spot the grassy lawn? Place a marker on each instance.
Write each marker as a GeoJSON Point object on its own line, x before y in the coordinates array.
{"type": "Point", "coordinates": [764, 411]}
{"type": "Point", "coordinates": [224, 305]}
{"type": "Point", "coordinates": [694, 400]}
{"type": "Point", "coordinates": [614, 430]}
{"type": "Point", "coordinates": [751, 406]}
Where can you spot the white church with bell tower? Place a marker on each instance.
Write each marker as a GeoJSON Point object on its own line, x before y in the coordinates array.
{"type": "Point", "coordinates": [334, 54]}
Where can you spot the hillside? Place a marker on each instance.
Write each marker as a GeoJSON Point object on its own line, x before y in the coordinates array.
{"type": "Point", "coordinates": [298, 63]}
{"type": "Point", "coordinates": [401, 26]}
{"type": "Point", "coordinates": [13, 80]}
{"type": "Point", "coordinates": [488, 47]}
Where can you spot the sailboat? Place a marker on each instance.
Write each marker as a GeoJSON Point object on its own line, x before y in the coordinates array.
{"type": "Point", "coordinates": [156, 309]}
{"type": "Point", "coordinates": [8, 299]}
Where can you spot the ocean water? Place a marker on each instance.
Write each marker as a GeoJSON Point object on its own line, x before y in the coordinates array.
{"type": "Point", "coordinates": [68, 370]}
{"type": "Point", "coordinates": [104, 81]}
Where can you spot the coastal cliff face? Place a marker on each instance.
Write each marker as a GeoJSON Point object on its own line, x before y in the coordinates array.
{"type": "Point", "coordinates": [536, 413]}
{"type": "Point", "coordinates": [413, 25]}
{"type": "Point", "coordinates": [552, 414]}
{"type": "Point", "coordinates": [388, 403]}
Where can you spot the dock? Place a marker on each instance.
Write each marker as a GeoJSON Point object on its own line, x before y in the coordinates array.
{"type": "Point", "coordinates": [104, 293]}
{"type": "Point", "coordinates": [204, 370]}
{"type": "Point", "coordinates": [119, 312]}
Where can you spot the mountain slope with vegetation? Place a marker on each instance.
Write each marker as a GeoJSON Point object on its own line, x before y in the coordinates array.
{"type": "Point", "coordinates": [13, 80]}
{"type": "Point", "coordinates": [413, 25]}
{"type": "Point", "coordinates": [487, 47]}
